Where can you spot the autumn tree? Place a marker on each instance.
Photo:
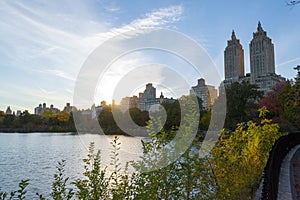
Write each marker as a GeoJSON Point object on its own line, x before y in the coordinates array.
{"type": "Point", "coordinates": [239, 157]}
{"type": "Point", "coordinates": [49, 117]}
{"type": "Point", "coordinates": [242, 102]}
{"type": "Point", "coordinates": [8, 120]}
{"type": "Point", "coordinates": [26, 117]}
{"type": "Point", "coordinates": [47, 114]}
{"type": "Point", "coordinates": [289, 97]}
{"type": "Point", "coordinates": [272, 101]}
{"type": "Point", "coordinates": [63, 117]}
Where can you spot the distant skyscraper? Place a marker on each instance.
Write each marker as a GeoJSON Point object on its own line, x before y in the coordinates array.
{"type": "Point", "coordinates": [8, 111]}
{"type": "Point", "coordinates": [19, 112]}
{"type": "Point", "coordinates": [234, 59]}
{"type": "Point", "coordinates": [262, 60]}
{"type": "Point", "coordinates": [68, 108]}
{"type": "Point", "coordinates": [147, 100]}
{"type": "Point", "coordinates": [149, 93]}
{"type": "Point", "coordinates": [206, 93]}
{"type": "Point", "coordinates": [129, 102]}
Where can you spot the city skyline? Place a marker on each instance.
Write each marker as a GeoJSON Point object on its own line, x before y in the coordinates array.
{"type": "Point", "coordinates": [43, 45]}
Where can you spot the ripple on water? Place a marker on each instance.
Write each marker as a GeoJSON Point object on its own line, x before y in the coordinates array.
{"type": "Point", "coordinates": [34, 156]}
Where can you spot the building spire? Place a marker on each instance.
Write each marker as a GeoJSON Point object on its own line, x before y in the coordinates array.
{"type": "Point", "coordinates": [161, 95]}
{"type": "Point", "coordinates": [259, 28]}
{"type": "Point", "coordinates": [233, 37]}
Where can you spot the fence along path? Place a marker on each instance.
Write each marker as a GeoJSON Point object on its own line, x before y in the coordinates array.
{"type": "Point", "coordinates": [276, 161]}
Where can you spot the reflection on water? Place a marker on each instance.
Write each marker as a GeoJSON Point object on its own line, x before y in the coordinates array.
{"type": "Point", "coordinates": [34, 156]}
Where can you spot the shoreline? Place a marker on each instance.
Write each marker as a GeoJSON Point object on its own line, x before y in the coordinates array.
{"type": "Point", "coordinates": [29, 130]}
{"type": "Point", "coordinates": [72, 132]}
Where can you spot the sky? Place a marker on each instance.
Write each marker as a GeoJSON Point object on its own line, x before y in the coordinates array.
{"type": "Point", "coordinates": [44, 44]}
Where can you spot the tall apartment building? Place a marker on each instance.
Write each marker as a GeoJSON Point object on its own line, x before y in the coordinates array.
{"type": "Point", "coordinates": [262, 61]}
{"type": "Point", "coordinates": [129, 102]}
{"type": "Point", "coordinates": [207, 93]}
{"type": "Point", "coordinates": [8, 111]}
{"type": "Point", "coordinates": [40, 109]}
{"type": "Point", "coordinates": [147, 98]}
{"type": "Point", "coordinates": [234, 59]}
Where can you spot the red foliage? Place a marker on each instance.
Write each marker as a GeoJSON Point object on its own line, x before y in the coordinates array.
{"type": "Point", "coordinates": [272, 102]}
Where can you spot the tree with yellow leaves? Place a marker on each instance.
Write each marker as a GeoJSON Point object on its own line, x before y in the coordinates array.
{"type": "Point", "coordinates": [239, 158]}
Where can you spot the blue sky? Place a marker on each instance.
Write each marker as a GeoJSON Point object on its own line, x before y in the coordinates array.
{"type": "Point", "coordinates": [43, 44]}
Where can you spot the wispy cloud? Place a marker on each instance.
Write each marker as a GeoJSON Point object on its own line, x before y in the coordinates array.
{"type": "Point", "coordinates": [46, 91]}
{"type": "Point", "coordinates": [47, 42]}
{"type": "Point", "coordinates": [60, 46]}
{"type": "Point", "coordinates": [112, 9]}
{"type": "Point", "coordinates": [160, 17]}
{"type": "Point", "coordinates": [288, 62]}
{"type": "Point", "coordinates": [60, 73]}
{"type": "Point", "coordinates": [163, 17]}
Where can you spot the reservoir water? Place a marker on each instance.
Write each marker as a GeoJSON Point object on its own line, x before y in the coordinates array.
{"type": "Point", "coordinates": [34, 156]}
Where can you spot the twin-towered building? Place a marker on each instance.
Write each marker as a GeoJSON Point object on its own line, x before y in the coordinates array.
{"type": "Point", "coordinates": [262, 61]}
{"type": "Point", "coordinates": [262, 67]}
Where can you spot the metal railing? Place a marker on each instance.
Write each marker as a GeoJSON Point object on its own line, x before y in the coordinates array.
{"type": "Point", "coordinates": [271, 173]}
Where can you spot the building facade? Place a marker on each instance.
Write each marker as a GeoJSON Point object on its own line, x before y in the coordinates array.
{"type": "Point", "coordinates": [129, 102]}
{"type": "Point", "coordinates": [19, 113]}
{"type": "Point", "coordinates": [147, 98]}
{"type": "Point", "coordinates": [146, 101]}
{"type": "Point", "coordinates": [207, 93]}
{"type": "Point", "coordinates": [261, 48]}
{"type": "Point", "coordinates": [234, 59]}
{"type": "Point", "coordinates": [68, 108]}
{"type": "Point", "coordinates": [8, 111]}
{"type": "Point", "coordinates": [41, 108]}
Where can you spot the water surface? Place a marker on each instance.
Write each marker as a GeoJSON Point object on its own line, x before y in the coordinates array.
{"type": "Point", "coordinates": [34, 156]}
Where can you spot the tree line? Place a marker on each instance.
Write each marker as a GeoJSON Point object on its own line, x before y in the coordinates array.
{"type": "Point", "coordinates": [48, 121]}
